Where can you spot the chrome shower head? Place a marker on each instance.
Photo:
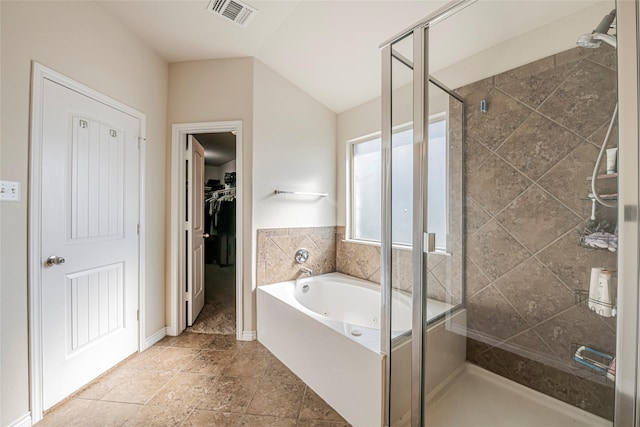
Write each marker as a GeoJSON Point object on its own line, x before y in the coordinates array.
{"type": "Point", "coordinates": [588, 41]}
{"type": "Point", "coordinates": [599, 35]}
{"type": "Point", "coordinates": [594, 40]}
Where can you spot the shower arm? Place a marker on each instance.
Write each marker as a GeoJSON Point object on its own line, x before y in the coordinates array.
{"type": "Point", "coordinates": [594, 177]}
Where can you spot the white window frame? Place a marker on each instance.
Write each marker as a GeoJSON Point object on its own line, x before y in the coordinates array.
{"type": "Point", "coordinates": [350, 193]}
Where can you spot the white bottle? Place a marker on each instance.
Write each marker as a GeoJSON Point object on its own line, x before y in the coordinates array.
{"type": "Point", "coordinates": [605, 300]}
{"type": "Point", "coordinates": [593, 289]}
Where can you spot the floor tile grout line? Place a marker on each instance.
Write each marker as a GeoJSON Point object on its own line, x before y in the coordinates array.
{"type": "Point", "coordinates": [304, 396]}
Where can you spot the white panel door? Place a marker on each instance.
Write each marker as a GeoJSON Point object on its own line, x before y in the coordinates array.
{"type": "Point", "coordinates": [90, 206]}
{"type": "Point", "coordinates": [196, 287]}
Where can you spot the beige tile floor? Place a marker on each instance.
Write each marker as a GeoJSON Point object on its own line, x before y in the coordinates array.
{"type": "Point", "coordinates": [197, 380]}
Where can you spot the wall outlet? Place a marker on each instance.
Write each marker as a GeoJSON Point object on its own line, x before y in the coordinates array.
{"type": "Point", "coordinates": [9, 191]}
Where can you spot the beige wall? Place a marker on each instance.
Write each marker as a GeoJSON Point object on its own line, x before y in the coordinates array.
{"type": "Point", "coordinates": [211, 91]}
{"type": "Point", "coordinates": [85, 43]}
{"type": "Point", "coordinates": [289, 142]}
{"type": "Point", "coordinates": [227, 167]}
{"type": "Point", "coordinates": [211, 172]}
{"type": "Point", "coordinates": [294, 149]}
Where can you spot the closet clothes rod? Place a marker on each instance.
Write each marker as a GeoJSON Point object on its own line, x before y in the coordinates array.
{"type": "Point", "coordinates": [226, 190]}
{"type": "Point", "coordinates": [213, 194]}
{"type": "Point", "coordinates": [300, 193]}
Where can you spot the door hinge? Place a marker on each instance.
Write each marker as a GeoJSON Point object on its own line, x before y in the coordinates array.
{"type": "Point", "coordinates": [140, 139]}
{"type": "Point", "coordinates": [138, 229]}
{"type": "Point", "coordinates": [138, 315]}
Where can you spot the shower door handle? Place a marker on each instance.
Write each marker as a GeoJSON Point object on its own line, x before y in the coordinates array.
{"type": "Point", "coordinates": [429, 243]}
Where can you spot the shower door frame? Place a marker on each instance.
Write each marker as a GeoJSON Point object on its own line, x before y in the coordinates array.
{"type": "Point", "coordinates": [628, 357]}
{"type": "Point", "coordinates": [420, 32]}
{"type": "Point", "coordinates": [420, 129]}
{"type": "Point", "coordinates": [627, 392]}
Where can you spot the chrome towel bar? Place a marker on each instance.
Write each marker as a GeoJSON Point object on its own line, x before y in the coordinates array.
{"type": "Point", "coordinates": [300, 193]}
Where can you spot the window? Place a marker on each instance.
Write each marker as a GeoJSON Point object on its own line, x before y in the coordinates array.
{"type": "Point", "coordinates": [366, 179]}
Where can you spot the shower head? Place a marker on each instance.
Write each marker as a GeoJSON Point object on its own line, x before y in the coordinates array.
{"type": "Point", "coordinates": [588, 41]}
{"type": "Point", "coordinates": [599, 35]}
{"type": "Point", "coordinates": [594, 40]}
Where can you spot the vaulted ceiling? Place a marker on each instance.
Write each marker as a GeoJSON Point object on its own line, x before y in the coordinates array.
{"type": "Point", "coordinates": [330, 49]}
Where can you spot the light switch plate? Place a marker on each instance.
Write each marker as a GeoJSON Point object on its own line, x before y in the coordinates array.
{"type": "Point", "coordinates": [9, 191]}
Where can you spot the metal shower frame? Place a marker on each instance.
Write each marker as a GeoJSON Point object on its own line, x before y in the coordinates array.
{"type": "Point", "coordinates": [420, 32]}
{"type": "Point", "coordinates": [627, 396]}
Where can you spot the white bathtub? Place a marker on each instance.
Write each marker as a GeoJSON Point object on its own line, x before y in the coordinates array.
{"type": "Point", "coordinates": [326, 330]}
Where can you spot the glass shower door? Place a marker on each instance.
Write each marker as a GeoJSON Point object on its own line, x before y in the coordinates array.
{"type": "Point", "coordinates": [399, 156]}
{"type": "Point", "coordinates": [422, 224]}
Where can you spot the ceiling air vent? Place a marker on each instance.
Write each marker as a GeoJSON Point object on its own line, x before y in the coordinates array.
{"type": "Point", "coordinates": [235, 10]}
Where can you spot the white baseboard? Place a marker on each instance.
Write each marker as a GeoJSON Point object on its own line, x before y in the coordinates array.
{"type": "Point", "coordinates": [162, 332]}
{"type": "Point", "coordinates": [23, 421]}
{"type": "Point", "coordinates": [249, 336]}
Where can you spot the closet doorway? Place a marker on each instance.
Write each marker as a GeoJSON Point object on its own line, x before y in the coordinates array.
{"type": "Point", "coordinates": [205, 264]}
{"type": "Point", "coordinates": [213, 237]}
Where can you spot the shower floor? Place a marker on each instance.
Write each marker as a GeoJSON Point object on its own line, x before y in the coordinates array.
{"type": "Point", "coordinates": [480, 398]}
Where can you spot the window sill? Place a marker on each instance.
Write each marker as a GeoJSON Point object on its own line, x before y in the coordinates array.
{"type": "Point", "coordinates": [401, 247]}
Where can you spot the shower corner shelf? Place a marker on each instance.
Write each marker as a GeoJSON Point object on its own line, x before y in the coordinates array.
{"type": "Point", "coordinates": [597, 361]}
{"type": "Point", "coordinates": [581, 297]}
{"type": "Point", "coordinates": [612, 196]}
{"type": "Point", "coordinates": [604, 176]}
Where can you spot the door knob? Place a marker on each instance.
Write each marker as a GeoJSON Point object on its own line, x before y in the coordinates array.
{"type": "Point", "coordinates": [205, 235]}
{"type": "Point", "coordinates": [54, 260]}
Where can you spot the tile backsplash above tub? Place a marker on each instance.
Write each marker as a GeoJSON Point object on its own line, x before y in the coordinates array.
{"type": "Point", "coordinates": [277, 248]}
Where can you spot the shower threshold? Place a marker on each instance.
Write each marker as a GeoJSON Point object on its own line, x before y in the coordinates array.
{"type": "Point", "coordinates": [479, 398]}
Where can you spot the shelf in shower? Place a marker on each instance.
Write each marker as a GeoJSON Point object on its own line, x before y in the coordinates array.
{"type": "Point", "coordinates": [613, 196]}
{"type": "Point", "coordinates": [604, 176]}
{"type": "Point", "coordinates": [595, 360]}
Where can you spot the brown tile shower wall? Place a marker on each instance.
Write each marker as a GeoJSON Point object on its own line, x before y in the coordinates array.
{"type": "Point", "coordinates": [277, 248]}
{"type": "Point", "coordinates": [526, 166]}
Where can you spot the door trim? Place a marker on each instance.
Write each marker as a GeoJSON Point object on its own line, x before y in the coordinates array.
{"type": "Point", "coordinates": [40, 73]}
{"type": "Point", "coordinates": [177, 319]}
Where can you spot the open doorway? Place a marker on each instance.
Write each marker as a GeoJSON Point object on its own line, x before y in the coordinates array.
{"type": "Point", "coordinates": [218, 264]}
{"type": "Point", "coordinates": [187, 240]}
